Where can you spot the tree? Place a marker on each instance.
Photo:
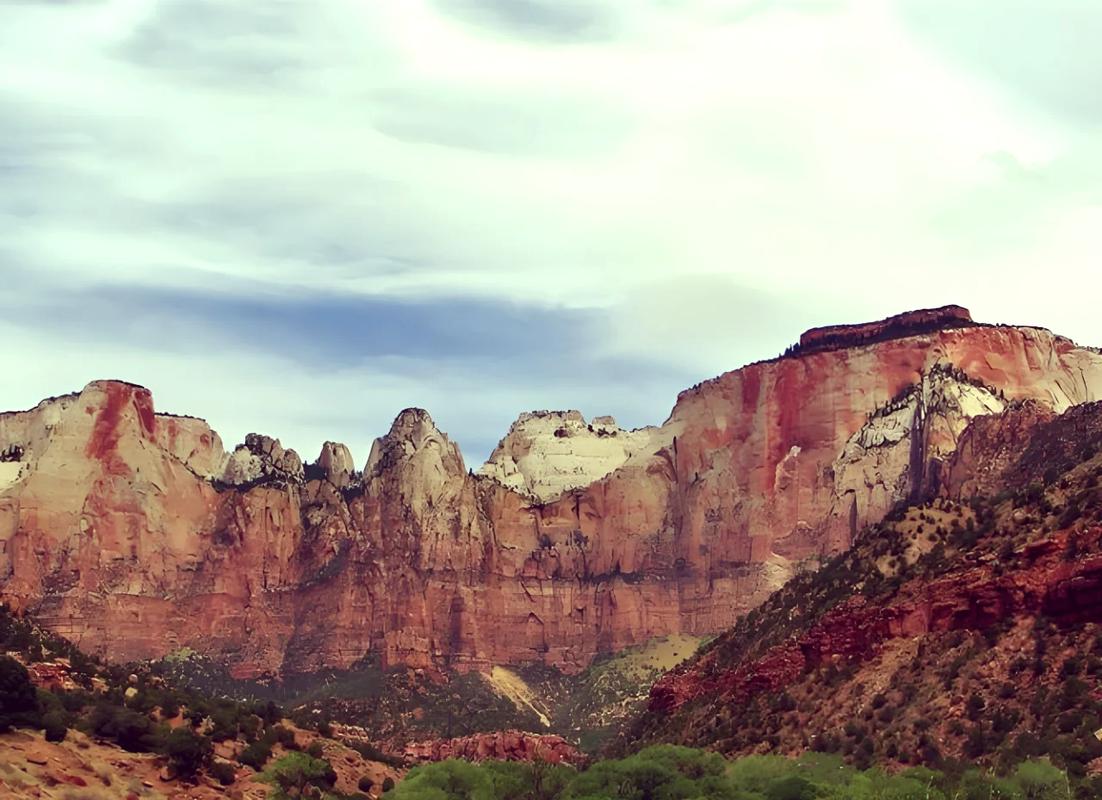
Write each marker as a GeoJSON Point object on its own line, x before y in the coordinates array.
{"type": "Point", "coordinates": [18, 699]}
{"type": "Point", "coordinates": [223, 772]}
{"type": "Point", "coordinates": [791, 787]}
{"type": "Point", "coordinates": [187, 751]}
{"type": "Point", "coordinates": [1040, 780]}
{"type": "Point", "coordinates": [293, 774]}
{"type": "Point", "coordinates": [131, 730]}
{"type": "Point", "coordinates": [256, 755]}
{"type": "Point", "coordinates": [55, 723]}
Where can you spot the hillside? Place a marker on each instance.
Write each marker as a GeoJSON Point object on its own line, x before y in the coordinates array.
{"type": "Point", "coordinates": [71, 727]}
{"type": "Point", "coordinates": [963, 627]}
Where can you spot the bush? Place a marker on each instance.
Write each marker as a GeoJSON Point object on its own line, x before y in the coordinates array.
{"type": "Point", "coordinates": [129, 729]}
{"type": "Point", "coordinates": [18, 698]}
{"type": "Point", "coordinates": [791, 787]}
{"type": "Point", "coordinates": [223, 772]}
{"type": "Point", "coordinates": [187, 751]}
{"type": "Point", "coordinates": [256, 755]}
{"type": "Point", "coordinates": [294, 773]}
{"type": "Point", "coordinates": [388, 784]}
{"type": "Point", "coordinates": [365, 784]}
{"type": "Point", "coordinates": [55, 723]}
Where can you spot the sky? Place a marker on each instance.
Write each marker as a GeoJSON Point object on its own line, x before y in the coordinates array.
{"type": "Point", "coordinates": [299, 217]}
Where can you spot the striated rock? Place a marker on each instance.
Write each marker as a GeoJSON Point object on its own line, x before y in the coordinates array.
{"type": "Point", "coordinates": [498, 746]}
{"type": "Point", "coordinates": [907, 324]}
{"type": "Point", "coordinates": [856, 629]}
{"type": "Point", "coordinates": [135, 542]}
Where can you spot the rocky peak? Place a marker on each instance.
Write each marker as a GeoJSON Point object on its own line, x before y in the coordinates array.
{"type": "Point", "coordinates": [546, 453]}
{"type": "Point", "coordinates": [262, 458]}
{"type": "Point", "coordinates": [774, 464]}
{"type": "Point", "coordinates": [414, 438]}
{"type": "Point", "coordinates": [910, 323]}
{"type": "Point", "coordinates": [336, 465]}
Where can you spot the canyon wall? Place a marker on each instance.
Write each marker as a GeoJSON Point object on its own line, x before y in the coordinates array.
{"type": "Point", "coordinates": [134, 534]}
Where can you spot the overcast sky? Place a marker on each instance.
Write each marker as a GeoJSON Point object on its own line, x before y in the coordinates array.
{"type": "Point", "coordinates": [301, 216]}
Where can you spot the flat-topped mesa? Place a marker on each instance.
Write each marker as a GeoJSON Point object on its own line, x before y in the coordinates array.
{"type": "Point", "coordinates": [546, 453]}
{"type": "Point", "coordinates": [910, 323]}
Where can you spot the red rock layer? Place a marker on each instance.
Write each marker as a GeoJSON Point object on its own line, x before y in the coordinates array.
{"type": "Point", "coordinates": [499, 746]}
{"type": "Point", "coordinates": [975, 599]}
{"type": "Point", "coordinates": [133, 534]}
{"type": "Point", "coordinates": [909, 323]}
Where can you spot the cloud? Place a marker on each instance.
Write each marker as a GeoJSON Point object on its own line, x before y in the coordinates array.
{"type": "Point", "coordinates": [542, 123]}
{"type": "Point", "coordinates": [1045, 52]}
{"type": "Point", "coordinates": [555, 20]}
{"type": "Point", "coordinates": [343, 209]}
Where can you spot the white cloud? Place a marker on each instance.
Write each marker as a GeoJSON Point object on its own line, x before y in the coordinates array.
{"type": "Point", "coordinates": [645, 158]}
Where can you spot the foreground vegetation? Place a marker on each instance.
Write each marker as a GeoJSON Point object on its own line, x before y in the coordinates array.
{"type": "Point", "coordinates": [670, 772]}
{"type": "Point", "coordinates": [142, 713]}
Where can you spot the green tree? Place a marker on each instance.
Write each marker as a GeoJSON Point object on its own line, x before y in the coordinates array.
{"type": "Point", "coordinates": [446, 780]}
{"type": "Point", "coordinates": [187, 751]}
{"type": "Point", "coordinates": [18, 699]}
{"type": "Point", "coordinates": [55, 724]}
{"type": "Point", "coordinates": [223, 772]}
{"type": "Point", "coordinates": [1040, 780]}
{"type": "Point", "coordinates": [294, 774]}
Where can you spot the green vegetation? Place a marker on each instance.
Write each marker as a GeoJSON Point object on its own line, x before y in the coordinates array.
{"type": "Point", "coordinates": [18, 700]}
{"type": "Point", "coordinates": [668, 772]}
{"type": "Point", "coordinates": [300, 775]}
{"type": "Point", "coordinates": [187, 751]}
{"type": "Point", "coordinates": [131, 707]}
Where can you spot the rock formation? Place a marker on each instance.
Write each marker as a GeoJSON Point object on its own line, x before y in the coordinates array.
{"type": "Point", "coordinates": [547, 453]}
{"type": "Point", "coordinates": [942, 610]}
{"type": "Point", "coordinates": [134, 534]}
{"type": "Point", "coordinates": [499, 746]}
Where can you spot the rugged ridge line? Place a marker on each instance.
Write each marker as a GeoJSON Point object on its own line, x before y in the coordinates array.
{"type": "Point", "coordinates": [135, 534]}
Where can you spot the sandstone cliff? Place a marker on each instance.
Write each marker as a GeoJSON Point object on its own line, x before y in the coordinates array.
{"type": "Point", "coordinates": [959, 629]}
{"type": "Point", "coordinates": [135, 534]}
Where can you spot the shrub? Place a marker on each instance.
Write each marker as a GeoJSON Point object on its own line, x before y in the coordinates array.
{"type": "Point", "coordinates": [256, 755]}
{"type": "Point", "coordinates": [791, 787]}
{"type": "Point", "coordinates": [223, 772]}
{"type": "Point", "coordinates": [18, 699]}
{"type": "Point", "coordinates": [388, 784]}
{"type": "Point", "coordinates": [129, 729]}
{"type": "Point", "coordinates": [294, 773]}
{"type": "Point", "coordinates": [365, 784]}
{"type": "Point", "coordinates": [55, 723]}
{"type": "Point", "coordinates": [187, 751]}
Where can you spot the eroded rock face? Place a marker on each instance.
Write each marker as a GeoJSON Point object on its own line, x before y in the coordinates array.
{"type": "Point", "coordinates": [547, 453]}
{"type": "Point", "coordinates": [262, 458]}
{"type": "Point", "coordinates": [499, 746]}
{"type": "Point", "coordinates": [135, 541]}
{"type": "Point", "coordinates": [336, 465]}
{"type": "Point", "coordinates": [909, 323]}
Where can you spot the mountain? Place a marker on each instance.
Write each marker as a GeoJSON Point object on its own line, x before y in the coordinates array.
{"type": "Point", "coordinates": [963, 626]}
{"type": "Point", "coordinates": [134, 534]}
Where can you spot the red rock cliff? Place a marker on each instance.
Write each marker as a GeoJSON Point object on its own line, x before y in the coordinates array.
{"type": "Point", "coordinates": [134, 534]}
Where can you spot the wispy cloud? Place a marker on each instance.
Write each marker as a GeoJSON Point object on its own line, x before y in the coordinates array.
{"type": "Point", "coordinates": [481, 206]}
